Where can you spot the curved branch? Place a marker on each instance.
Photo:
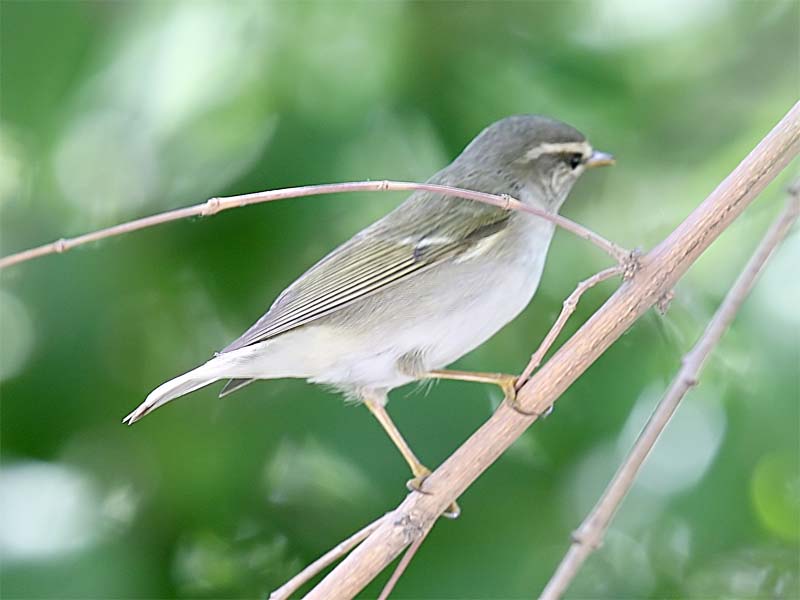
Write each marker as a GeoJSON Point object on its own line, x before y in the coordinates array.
{"type": "Point", "coordinates": [216, 205]}
{"type": "Point", "coordinates": [659, 271]}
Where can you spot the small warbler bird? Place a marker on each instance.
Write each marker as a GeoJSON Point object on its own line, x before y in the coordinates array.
{"type": "Point", "coordinates": [419, 288]}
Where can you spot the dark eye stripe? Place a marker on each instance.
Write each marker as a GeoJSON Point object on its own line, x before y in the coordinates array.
{"type": "Point", "coordinates": [574, 160]}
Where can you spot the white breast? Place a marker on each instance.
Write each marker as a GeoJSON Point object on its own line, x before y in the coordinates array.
{"type": "Point", "coordinates": [506, 292]}
{"type": "Point", "coordinates": [478, 302]}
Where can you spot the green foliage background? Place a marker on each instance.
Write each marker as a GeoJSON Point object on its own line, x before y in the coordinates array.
{"type": "Point", "coordinates": [113, 110]}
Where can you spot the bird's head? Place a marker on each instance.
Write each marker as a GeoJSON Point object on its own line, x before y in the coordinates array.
{"type": "Point", "coordinates": [543, 155]}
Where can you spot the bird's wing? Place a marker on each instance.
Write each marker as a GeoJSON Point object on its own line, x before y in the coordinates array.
{"type": "Point", "coordinates": [378, 257]}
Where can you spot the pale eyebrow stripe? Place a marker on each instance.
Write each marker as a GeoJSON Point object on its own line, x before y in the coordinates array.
{"type": "Point", "coordinates": [582, 148]}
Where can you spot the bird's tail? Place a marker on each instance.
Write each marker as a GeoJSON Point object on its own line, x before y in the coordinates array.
{"type": "Point", "coordinates": [174, 388]}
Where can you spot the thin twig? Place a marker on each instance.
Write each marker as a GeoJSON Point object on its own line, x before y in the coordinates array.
{"type": "Point", "coordinates": [659, 270]}
{"type": "Point", "coordinates": [569, 306]}
{"type": "Point", "coordinates": [216, 205]}
{"type": "Point", "coordinates": [295, 583]}
{"type": "Point", "coordinates": [590, 534]}
{"type": "Point", "coordinates": [402, 565]}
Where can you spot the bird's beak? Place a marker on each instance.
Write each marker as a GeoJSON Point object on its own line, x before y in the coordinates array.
{"type": "Point", "coordinates": [599, 159]}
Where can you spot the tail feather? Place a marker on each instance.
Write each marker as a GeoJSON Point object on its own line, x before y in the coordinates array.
{"type": "Point", "coordinates": [188, 382]}
{"type": "Point", "coordinates": [234, 385]}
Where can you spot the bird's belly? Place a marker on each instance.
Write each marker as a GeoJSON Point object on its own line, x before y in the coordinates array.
{"type": "Point", "coordinates": [367, 345]}
{"type": "Point", "coordinates": [470, 324]}
{"type": "Point", "coordinates": [375, 359]}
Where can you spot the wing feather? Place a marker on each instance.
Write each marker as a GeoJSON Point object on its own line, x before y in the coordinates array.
{"type": "Point", "coordinates": [370, 262]}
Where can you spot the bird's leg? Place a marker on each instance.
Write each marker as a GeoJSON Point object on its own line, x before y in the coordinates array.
{"type": "Point", "coordinates": [507, 383]}
{"type": "Point", "coordinates": [419, 470]}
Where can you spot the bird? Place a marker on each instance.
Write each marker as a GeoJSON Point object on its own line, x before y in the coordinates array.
{"type": "Point", "coordinates": [419, 288]}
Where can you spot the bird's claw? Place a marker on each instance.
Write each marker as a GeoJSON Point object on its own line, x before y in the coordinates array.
{"type": "Point", "coordinates": [415, 485]}
{"type": "Point", "coordinates": [510, 391]}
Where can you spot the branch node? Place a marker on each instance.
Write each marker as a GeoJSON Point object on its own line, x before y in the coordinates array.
{"type": "Point", "coordinates": [570, 303]}
{"type": "Point", "coordinates": [211, 207]}
{"type": "Point", "coordinates": [663, 303]}
{"type": "Point", "coordinates": [688, 374]}
{"type": "Point", "coordinates": [412, 526]}
{"type": "Point", "coordinates": [509, 201]}
{"type": "Point", "coordinates": [794, 188]}
{"type": "Point", "coordinates": [631, 264]}
{"type": "Point", "coordinates": [582, 538]}
{"type": "Point", "coordinates": [61, 246]}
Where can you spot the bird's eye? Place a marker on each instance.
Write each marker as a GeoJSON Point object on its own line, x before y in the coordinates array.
{"type": "Point", "coordinates": [574, 160]}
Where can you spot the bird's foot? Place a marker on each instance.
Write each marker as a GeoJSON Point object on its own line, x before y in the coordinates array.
{"type": "Point", "coordinates": [509, 386]}
{"type": "Point", "coordinates": [508, 383]}
{"type": "Point", "coordinates": [415, 485]}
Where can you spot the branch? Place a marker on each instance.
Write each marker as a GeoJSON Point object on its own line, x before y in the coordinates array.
{"type": "Point", "coordinates": [217, 205]}
{"type": "Point", "coordinates": [590, 534]}
{"type": "Point", "coordinates": [402, 565]}
{"type": "Point", "coordinates": [568, 307]}
{"type": "Point", "coordinates": [295, 583]}
{"type": "Point", "coordinates": [659, 270]}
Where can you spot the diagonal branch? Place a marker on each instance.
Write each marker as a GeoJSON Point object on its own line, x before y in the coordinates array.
{"type": "Point", "coordinates": [403, 565]}
{"type": "Point", "coordinates": [589, 535]}
{"type": "Point", "coordinates": [569, 306]}
{"type": "Point", "coordinates": [216, 205]}
{"type": "Point", "coordinates": [659, 270]}
{"type": "Point", "coordinates": [331, 556]}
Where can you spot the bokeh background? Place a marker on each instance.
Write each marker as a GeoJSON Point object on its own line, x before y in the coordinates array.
{"type": "Point", "coordinates": [114, 110]}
